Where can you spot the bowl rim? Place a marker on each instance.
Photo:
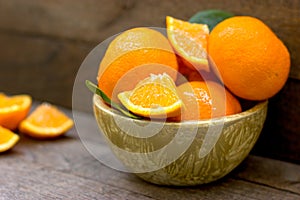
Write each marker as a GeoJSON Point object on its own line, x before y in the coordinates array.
{"type": "Point", "coordinates": [100, 104]}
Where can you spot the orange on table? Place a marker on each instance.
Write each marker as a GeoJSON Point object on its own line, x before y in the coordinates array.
{"type": "Point", "coordinates": [46, 121]}
{"type": "Point", "coordinates": [190, 41]}
{"type": "Point", "coordinates": [253, 62]}
{"type": "Point", "coordinates": [155, 96]}
{"type": "Point", "coordinates": [8, 139]}
{"type": "Point", "coordinates": [13, 109]}
{"type": "Point", "coordinates": [206, 100]}
{"type": "Point", "coordinates": [143, 49]}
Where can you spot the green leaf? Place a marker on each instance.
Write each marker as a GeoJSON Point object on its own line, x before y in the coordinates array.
{"type": "Point", "coordinates": [94, 88]}
{"type": "Point", "coordinates": [210, 17]}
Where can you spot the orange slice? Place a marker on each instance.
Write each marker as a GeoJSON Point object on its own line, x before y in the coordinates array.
{"type": "Point", "coordinates": [13, 109]}
{"type": "Point", "coordinates": [155, 96]}
{"type": "Point", "coordinates": [8, 139]}
{"type": "Point", "coordinates": [46, 121]}
{"type": "Point", "coordinates": [190, 41]}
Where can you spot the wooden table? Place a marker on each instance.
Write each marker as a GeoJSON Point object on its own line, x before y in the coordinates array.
{"type": "Point", "coordinates": [64, 169]}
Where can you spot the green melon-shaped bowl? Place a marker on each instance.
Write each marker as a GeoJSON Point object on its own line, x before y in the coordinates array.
{"type": "Point", "coordinates": [182, 153]}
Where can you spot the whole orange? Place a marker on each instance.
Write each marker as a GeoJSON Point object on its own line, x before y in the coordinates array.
{"type": "Point", "coordinates": [131, 57]}
{"type": "Point", "coordinates": [252, 61]}
{"type": "Point", "coordinates": [206, 100]}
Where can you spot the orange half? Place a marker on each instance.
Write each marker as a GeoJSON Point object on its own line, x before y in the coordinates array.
{"type": "Point", "coordinates": [190, 41]}
{"type": "Point", "coordinates": [46, 121]}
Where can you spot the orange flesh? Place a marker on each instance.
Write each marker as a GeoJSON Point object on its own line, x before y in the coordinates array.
{"type": "Point", "coordinates": [153, 95]}
{"type": "Point", "coordinates": [190, 41]}
{"type": "Point", "coordinates": [5, 135]}
{"type": "Point", "coordinates": [46, 116]}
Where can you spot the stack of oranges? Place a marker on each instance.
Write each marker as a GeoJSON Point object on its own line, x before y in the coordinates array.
{"type": "Point", "coordinates": [194, 74]}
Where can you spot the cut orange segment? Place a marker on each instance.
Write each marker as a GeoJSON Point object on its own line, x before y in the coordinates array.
{"type": "Point", "coordinates": [8, 139]}
{"type": "Point", "coordinates": [155, 96]}
{"type": "Point", "coordinates": [190, 41]}
{"type": "Point", "coordinates": [46, 121]}
{"type": "Point", "coordinates": [13, 109]}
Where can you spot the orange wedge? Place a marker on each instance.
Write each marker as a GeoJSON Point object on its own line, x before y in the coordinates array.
{"type": "Point", "coordinates": [13, 109]}
{"type": "Point", "coordinates": [46, 121]}
{"type": "Point", "coordinates": [155, 96]}
{"type": "Point", "coordinates": [8, 139]}
{"type": "Point", "coordinates": [190, 41]}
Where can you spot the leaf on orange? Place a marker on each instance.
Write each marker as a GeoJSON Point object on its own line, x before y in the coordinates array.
{"type": "Point", "coordinates": [46, 121]}
{"type": "Point", "coordinates": [190, 41]}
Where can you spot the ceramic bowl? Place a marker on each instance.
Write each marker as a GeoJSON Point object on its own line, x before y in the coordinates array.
{"type": "Point", "coordinates": [181, 153]}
